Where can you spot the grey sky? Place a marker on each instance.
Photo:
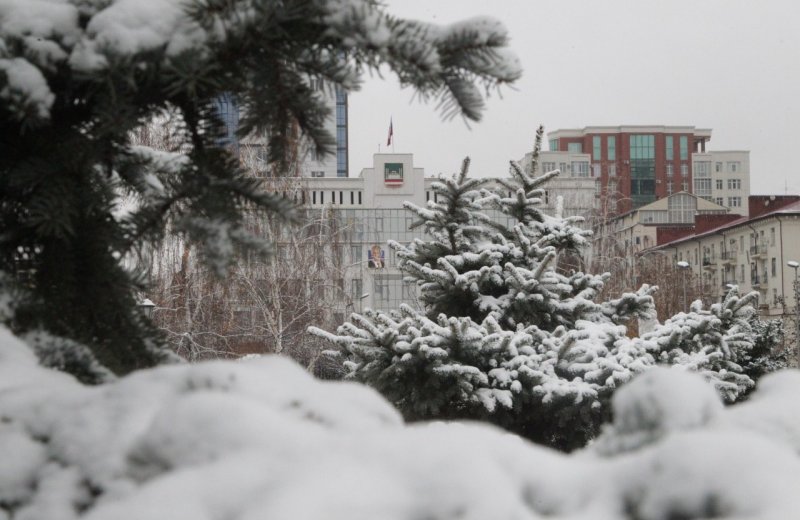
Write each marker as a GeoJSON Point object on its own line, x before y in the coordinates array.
{"type": "Point", "coordinates": [729, 65]}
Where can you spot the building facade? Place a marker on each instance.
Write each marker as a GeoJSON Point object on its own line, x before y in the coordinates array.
{"type": "Point", "coordinates": [368, 211]}
{"type": "Point", "coordinates": [724, 178]}
{"type": "Point", "coordinates": [751, 252]}
{"type": "Point", "coordinates": [252, 149]}
{"type": "Point", "coordinates": [637, 230]}
{"type": "Point", "coordinates": [637, 165]}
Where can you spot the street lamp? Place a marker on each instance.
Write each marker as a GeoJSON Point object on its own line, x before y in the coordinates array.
{"type": "Point", "coordinates": [147, 307]}
{"type": "Point", "coordinates": [684, 266]}
{"type": "Point", "coordinates": [796, 286]}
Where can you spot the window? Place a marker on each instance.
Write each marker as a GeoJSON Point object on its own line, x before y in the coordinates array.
{"type": "Point", "coordinates": [597, 148]}
{"type": "Point", "coordinates": [322, 197]}
{"type": "Point", "coordinates": [741, 273]}
{"type": "Point", "coordinates": [734, 202]}
{"type": "Point", "coordinates": [772, 237]}
{"type": "Point", "coordinates": [612, 170]}
{"type": "Point", "coordinates": [734, 166]}
{"type": "Point", "coordinates": [643, 171]}
{"type": "Point", "coordinates": [719, 184]}
{"type": "Point", "coordinates": [318, 174]}
{"type": "Point", "coordinates": [774, 267]}
{"type": "Point", "coordinates": [670, 148]}
{"type": "Point", "coordinates": [670, 169]}
{"type": "Point", "coordinates": [611, 144]}
{"type": "Point", "coordinates": [355, 253]}
{"type": "Point", "coordinates": [580, 168]}
{"type": "Point", "coordinates": [684, 141]}
{"type": "Point", "coordinates": [702, 169]}
{"type": "Point", "coordinates": [341, 197]}
{"type": "Point", "coordinates": [352, 198]}
{"type": "Point", "coordinates": [734, 184]}
{"type": "Point", "coordinates": [548, 167]}
{"type": "Point", "coordinates": [685, 186]}
{"type": "Point", "coordinates": [720, 201]}
{"type": "Point", "coordinates": [718, 167]}
{"type": "Point", "coordinates": [702, 187]}
{"type": "Point", "coordinates": [596, 170]}
{"type": "Point", "coordinates": [313, 197]}
{"type": "Point", "coordinates": [685, 170]}
{"type": "Point", "coordinates": [553, 145]}
{"type": "Point", "coordinates": [575, 147]}
{"type": "Point", "coordinates": [670, 188]}
{"type": "Point", "coordinates": [381, 288]}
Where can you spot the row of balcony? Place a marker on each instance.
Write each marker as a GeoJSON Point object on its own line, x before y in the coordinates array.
{"type": "Point", "coordinates": [731, 256]}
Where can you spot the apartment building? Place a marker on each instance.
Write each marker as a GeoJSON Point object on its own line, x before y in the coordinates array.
{"type": "Point", "coordinates": [751, 252]}
{"type": "Point", "coordinates": [637, 165]}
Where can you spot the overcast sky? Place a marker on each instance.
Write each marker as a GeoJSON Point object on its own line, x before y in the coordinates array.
{"type": "Point", "coordinates": [729, 65]}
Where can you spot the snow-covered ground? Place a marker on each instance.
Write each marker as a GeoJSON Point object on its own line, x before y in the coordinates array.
{"type": "Point", "coordinates": [262, 439]}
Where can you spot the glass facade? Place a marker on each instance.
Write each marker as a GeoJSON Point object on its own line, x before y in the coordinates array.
{"type": "Point", "coordinates": [341, 133]}
{"type": "Point", "coordinates": [643, 169]}
{"type": "Point", "coordinates": [682, 208]}
{"type": "Point", "coordinates": [227, 110]}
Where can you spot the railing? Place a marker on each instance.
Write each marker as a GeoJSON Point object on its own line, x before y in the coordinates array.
{"type": "Point", "coordinates": [755, 280]}
{"type": "Point", "coordinates": [708, 260]}
{"type": "Point", "coordinates": [728, 255]}
{"type": "Point", "coordinates": [758, 249]}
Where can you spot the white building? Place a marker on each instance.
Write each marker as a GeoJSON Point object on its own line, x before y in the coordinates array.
{"type": "Point", "coordinates": [369, 211]}
{"type": "Point", "coordinates": [723, 177]}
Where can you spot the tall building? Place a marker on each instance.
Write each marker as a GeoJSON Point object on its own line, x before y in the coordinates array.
{"type": "Point", "coordinates": [253, 149]}
{"type": "Point", "coordinates": [636, 165]}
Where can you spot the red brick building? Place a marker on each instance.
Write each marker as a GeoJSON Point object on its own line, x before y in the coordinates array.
{"type": "Point", "coordinates": [636, 164]}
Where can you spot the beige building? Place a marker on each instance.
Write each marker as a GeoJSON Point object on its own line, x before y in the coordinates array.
{"type": "Point", "coordinates": [637, 229]}
{"type": "Point", "coordinates": [751, 252]}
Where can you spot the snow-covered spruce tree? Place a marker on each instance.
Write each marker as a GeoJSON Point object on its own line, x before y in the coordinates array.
{"type": "Point", "coordinates": [506, 336]}
{"type": "Point", "coordinates": [769, 352]}
{"type": "Point", "coordinates": [77, 77]}
{"type": "Point", "coordinates": [710, 342]}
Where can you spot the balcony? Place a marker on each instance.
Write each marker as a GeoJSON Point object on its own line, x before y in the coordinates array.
{"type": "Point", "coordinates": [709, 263]}
{"type": "Point", "coordinates": [728, 257]}
{"type": "Point", "coordinates": [758, 250]}
{"type": "Point", "coordinates": [755, 281]}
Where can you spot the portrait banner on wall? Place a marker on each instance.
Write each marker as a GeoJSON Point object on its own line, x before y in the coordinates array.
{"type": "Point", "coordinates": [376, 257]}
{"type": "Point", "coordinates": [393, 173]}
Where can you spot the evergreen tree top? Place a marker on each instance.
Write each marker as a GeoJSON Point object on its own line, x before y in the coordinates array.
{"type": "Point", "coordinates": [78, 77]}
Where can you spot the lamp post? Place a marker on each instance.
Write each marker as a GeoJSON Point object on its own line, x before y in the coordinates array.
{"type": "Point", "coordinates": [147, 307]}
{"type": "Point", "coordinates": [684, 266]}
{"type": "Point", "coordinates": [796, 286]}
